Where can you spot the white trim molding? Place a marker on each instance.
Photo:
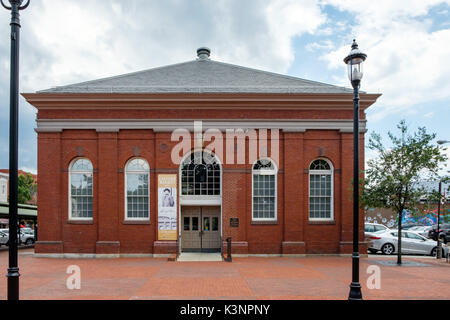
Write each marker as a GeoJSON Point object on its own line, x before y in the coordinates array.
{"type": "Point", "coordinates": [169, 125]}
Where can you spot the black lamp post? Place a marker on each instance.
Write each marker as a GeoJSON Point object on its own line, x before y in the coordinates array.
{"type": "Point", "coordinates": [438, 250]}
{"type": "Point", "coordinates": [354, 61]}
{"type": "Point", "coordinates": [13, 269]}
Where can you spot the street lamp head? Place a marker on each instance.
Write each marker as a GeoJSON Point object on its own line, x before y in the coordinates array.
{"type": "Point", "coordinates": [442, 141]}
{"type": "Point", "coordinates": [15, 4]}
{"type": "Point", "coordinates": [354, 62]}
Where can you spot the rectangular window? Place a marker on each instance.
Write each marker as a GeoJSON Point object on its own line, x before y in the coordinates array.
{"type": "Point", "coordinates": [81, 195]}
{"type": "Point", "coordinates": [320, 197]}
{"type": "Point", "coordinates": [206, 224]}
{"type": "Point", "coordinates": [137, 196]}
{"type": "Point", "coordinates": [264, 194]}
{"type": "Point", "coordinates": [186, 223]}
{"type": "Point", "coordinates": [194, 223]}
{"type": "Point", "coordinates": [215, 224]}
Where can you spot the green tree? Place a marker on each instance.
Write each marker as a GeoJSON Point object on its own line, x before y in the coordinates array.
{"type": "Point", "coordinates": [26, 188]}
{"type": "Point", "coordinates": [393, 178]}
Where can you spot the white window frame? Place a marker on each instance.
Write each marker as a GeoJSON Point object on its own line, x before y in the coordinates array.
{"type": "Point", "coordinates": [321, 172]}
{"type": "Point", "coordinates": [126, 218]}
{"type": "Point", "coordinates": [273, 172]}
{"type": "Point", "coordinates": [71, 218]}
{"type": "Point", "coordinates": [216, 199]}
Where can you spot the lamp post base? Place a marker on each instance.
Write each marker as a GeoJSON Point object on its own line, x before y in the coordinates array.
{"type": "Point", "coordinates": [355, 291]}
{"type": "Point", "coordinates": [13, 283]}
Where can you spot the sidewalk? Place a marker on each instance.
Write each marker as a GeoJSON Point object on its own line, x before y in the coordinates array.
{"type": "Point", "coordinates": [245, 278]}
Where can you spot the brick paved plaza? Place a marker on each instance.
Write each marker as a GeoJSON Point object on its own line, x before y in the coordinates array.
{"type": "Point", "coordinates": [321, 277]}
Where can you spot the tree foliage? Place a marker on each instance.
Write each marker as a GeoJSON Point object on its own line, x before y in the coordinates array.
{"type": "Point", "coordinates": [393, 178]}
{"type": "Point", "coordinates": [26, 188]}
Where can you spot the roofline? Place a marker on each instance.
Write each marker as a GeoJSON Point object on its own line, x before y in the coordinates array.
{"type": "Point", "coordinates": [108, 101]}
{"type": "Point", "coordinates": [85, 83]}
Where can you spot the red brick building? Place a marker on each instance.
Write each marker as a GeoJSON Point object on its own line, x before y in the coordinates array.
{"type": "Point", "coordinates": [4, 185]}
{"type": "Point", "coordinates": [108, 183]}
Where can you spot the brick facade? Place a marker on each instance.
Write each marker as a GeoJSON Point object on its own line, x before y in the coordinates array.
{"type": "Point", "coordinates": [108, 125]}
{"type": "Point", "coordinates": [108, 232]}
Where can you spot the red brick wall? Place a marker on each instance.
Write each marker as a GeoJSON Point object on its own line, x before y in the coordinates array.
{"type": "Point", "coordinates": [292, 233]}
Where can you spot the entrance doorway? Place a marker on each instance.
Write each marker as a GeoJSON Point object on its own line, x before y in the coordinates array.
{"type": "Point", "coordinates": [200, 229]}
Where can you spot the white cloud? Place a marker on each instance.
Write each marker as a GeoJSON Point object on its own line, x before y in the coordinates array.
{"type": "Point", "coordinates": [322, 45]}
{"type": "Point", "coordinates": [406, 59]}
{"type": "Point", "coordinates": [68, 41]}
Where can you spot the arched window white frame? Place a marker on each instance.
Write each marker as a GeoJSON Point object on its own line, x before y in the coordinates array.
{"type": "Point", "coordinates": [200, 175]}
{"type": "Point", "coordinates": [137, 190]}
{"type": "Point", "coordinates": [81, 189]}
{"type": "Point", "coordinates": [264, 190]}
{"type": "Point", "coordinates": [321, 194]}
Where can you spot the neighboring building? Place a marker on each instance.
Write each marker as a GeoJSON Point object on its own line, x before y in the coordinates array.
{"type": "Point", "coordinates": [108, 183]}
{"type": "Point", "coordinates": [27, 215]}
{"type": "Point", "coordinates": [4, 187]}
{"type": "Point", "coordinates": [5, 173]}
{"type": "Point", "coordinates": [27, 212]}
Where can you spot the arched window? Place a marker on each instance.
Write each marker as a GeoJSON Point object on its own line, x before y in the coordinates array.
{"type": "Point", "coordinates": [264, 190]}
{"type": "Point", "coordinates": [321, 190]}
{"type": "Point", "coordinates": [200, 174]}
{"type": "Point", "coordinates": [81, 193]}
{"type": "Point", "coordinates": [137, 198]}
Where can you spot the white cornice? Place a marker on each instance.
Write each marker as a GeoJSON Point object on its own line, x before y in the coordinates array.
{"type": "Point", "coordinates": [108, 125]}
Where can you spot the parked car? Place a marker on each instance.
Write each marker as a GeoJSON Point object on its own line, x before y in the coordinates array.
{"type": "Point", "coordinates": [19, 238]}
{"type": "Point", "coordinates": [422, 230]}
{"type": "Point", "coordinates": [374, 227]}
{"type": "Point", "coordinates": [26, 238]}
{"type": "Point", "coordinates": [444, 232]}
{"type": "Point", "coordinates": [412, 243]}
{"type": "Point", "coordinates": [409, 226]}
{"type": "Point", "coordinates": [371, 229]}
{"type": "Point", "coordinates": [4, 238]}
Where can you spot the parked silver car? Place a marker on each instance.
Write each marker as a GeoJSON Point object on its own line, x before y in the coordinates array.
{"type": "Point", "coordinates": [371, 230]}
{"type": "Point", "coordinates": [422, 230]}
{"type": "Point", "coordinates": [412, 243]}
{"type": "Point", "coordinates": [374, 227]}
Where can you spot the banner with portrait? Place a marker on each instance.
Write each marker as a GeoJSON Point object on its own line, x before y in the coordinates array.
{"type": "Point", "coordinates": [167, 207]}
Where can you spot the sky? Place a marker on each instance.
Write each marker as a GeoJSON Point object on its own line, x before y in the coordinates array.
{"type": "Point", "coordinates": [407, 44]}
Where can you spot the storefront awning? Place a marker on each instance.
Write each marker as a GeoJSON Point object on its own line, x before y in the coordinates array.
{"type": "Point", "coordinates": [24, 211]}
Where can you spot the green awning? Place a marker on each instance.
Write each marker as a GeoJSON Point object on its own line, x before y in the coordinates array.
{"type": "Point", "coordinates": [24, 211]}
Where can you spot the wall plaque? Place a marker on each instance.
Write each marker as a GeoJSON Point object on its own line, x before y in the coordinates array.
{"type": "Point", "coordinates": [234, 222]}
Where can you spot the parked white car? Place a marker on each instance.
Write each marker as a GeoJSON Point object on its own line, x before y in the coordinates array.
{"type": "Point", "coordinates": [26, 238]}
{"type": "Point", "coordinates": [412, 243]}
{"type": "Point", "coordinates": [4, 238]}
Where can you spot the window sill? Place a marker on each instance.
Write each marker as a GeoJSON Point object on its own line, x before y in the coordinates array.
{"type": "Point", "coordinates": [136, 222]}
{"type": "Point", "coordinates": [321, 222]}
{"type": "Point", "coordinates": [256, 222]}
{"type": "Point", "coordinates": [80, 221]}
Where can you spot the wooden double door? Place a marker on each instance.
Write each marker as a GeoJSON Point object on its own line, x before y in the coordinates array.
{"type": "Point", "coordinates": [200, 229]}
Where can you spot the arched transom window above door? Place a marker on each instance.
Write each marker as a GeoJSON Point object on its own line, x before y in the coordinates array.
{"type": "Point", "coordinates": [200, 174]}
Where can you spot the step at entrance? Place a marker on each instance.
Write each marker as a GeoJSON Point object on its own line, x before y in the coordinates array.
{"type": "Point", "coordinates": [197, 256]}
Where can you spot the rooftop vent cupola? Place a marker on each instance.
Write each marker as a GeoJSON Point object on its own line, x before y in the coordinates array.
{"type": "Point", "coordinates": [203, 53]}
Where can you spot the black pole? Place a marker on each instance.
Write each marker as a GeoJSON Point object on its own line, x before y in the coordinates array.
{"type": "Point", "coordinates": [355, 287]}
{"type": "Point", "coordinates": [438, 251]}
{"type": "Point", "coordinates": [229, 258]}
{"type": "Point", "coordinates": [13, 269]}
